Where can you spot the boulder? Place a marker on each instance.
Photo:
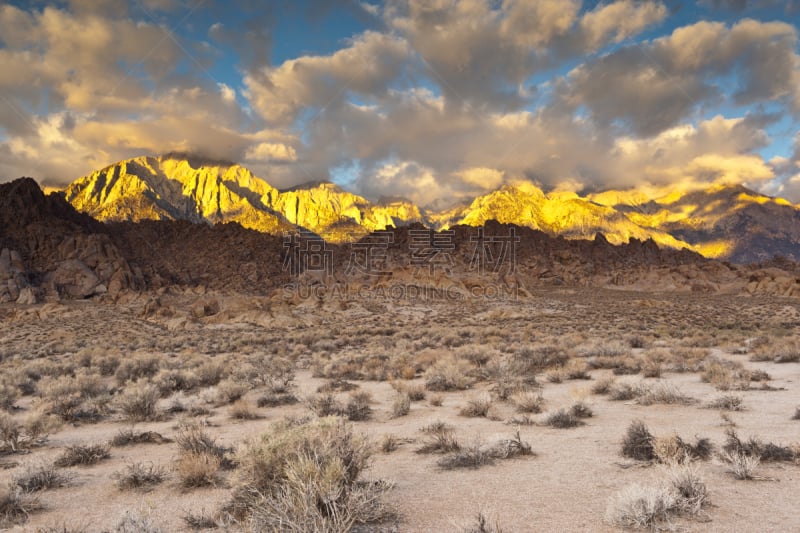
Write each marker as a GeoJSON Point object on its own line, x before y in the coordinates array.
{"type": "Point", "coordinates": [205, 307]}
{"type": "Point", "coordinates": [73, 279]}
{"type": "Point", "coordinates": [27, 296]}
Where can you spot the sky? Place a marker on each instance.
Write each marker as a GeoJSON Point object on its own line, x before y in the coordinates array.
{"type": "Point", "coordinates": [436, 101]}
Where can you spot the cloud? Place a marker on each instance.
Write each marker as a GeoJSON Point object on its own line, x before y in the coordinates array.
{"type": "Point", "coordinates": [482, 53]}
{"type": "Point", "coordinates": [271, 152]}
{"type": "Point", "coordinates": [485, 178]}
{"type": "Point", "coordinates": [437, 100]}
{"type": "Point", "coordinates": [110, 89]}
{"type": "Point", "coordinates": [618, 21]}
{"type": "Point", "coordinates": [650, 87]}
{"type": "Point", "coordinates": [365, 67]}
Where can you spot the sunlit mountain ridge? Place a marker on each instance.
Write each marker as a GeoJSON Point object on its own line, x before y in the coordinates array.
{"type": "Point", "coordinates": [720, 221]}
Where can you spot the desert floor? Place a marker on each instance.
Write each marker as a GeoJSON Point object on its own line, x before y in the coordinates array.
{"type": "Point", "coordinates": [560, 343]}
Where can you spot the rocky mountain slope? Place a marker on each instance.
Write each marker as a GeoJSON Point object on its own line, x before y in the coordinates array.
{"type": "Point", "coordinates": [557, 213]}
{"type": "Point", "coordinates": [178, 187]}
{"type": "Point", "coordinates": [48, 251]}
{"type": "Point", "coordinates": [730, 222]}
{"type": "Point", "coordinates": [723, 222]}
{"type": "Point", "coordinates": [48, 247]}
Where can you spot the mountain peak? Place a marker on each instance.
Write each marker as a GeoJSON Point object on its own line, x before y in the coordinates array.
{"type": "Point", "coordinates": [524, 187]}
{"type": "Point", "coordinates": [720, 221]}
{"type": "Point", "coordinates": [196, 161]}
{"type": "Point", "coordinates": [314, 184]}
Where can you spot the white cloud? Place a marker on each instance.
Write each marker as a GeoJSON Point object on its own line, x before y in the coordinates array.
{"type": "Point", "coordinates": [276, 152]}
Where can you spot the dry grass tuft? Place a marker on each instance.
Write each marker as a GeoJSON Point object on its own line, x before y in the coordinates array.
{"type": "Point", "coordinates": [83, 455]}
{"type": "Point", "coordinates": [129, 436]}
{"type": "Point", "coordinates": [305, 478]}
{"type": "Point", "coordinates": [563, 419]}
{"type": "Point", "coordinates": [727, 402]}
{"type": "Point", "coordinates": [139, 476]}
{"type": "Point", "coordinates": [682, 492]}
{"type": "Point", "coordinates": [528, 401]}
{"type": "Point", "coordinates": [401, 405]}
{"type": "Point", "coordinates": [197, 470]}
{"type": "Point", "coordinates": [191, 439]}
{"type": "Point", "coordinates": [638, 442]}
{"type": "Point", "coordinates": [16, 506]}
{"type": "Point", "coordinates": [741, 465]}
{"type": "Point", "coordinates": [40, 476]}
{"type": "Point", "coordinates": [477, 407]}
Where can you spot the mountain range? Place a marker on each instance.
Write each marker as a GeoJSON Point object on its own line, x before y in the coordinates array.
{"type": "Point", "coordinates": [49, 252]}
{"type": "Point", "coordinates": [722, 222]}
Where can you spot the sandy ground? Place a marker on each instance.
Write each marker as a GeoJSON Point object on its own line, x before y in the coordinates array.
{"type": "Point", "coordinates": [566, 486]}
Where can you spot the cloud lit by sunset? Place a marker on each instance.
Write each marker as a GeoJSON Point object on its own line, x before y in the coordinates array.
{"type": "Point", "coordinates": [430, 100]}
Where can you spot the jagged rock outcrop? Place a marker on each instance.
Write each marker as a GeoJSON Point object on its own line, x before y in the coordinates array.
{"type": "Point", "coordinates": [51, 249]}
{"type": "Point", "coordinates": [13, 280]}
{"type": "Point", "coordinates": [723, 222]}
{"type": "Point", "coordinates": [557, 213]}
{"type": "Point", "coordinates": [178, 187]}
{"type": "Point", "coordinates": [48, 251]}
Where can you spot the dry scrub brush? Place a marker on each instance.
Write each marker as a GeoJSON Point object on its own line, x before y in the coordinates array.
{"type": "Point", "coordinates": [83, 455]}
{"type": "Point", "coordinates": [682, 492]}
{"type": "Point", "coordinates": [306, 478]}
{"type": "Point", "coordinates": [138, 402]}
{"type": "Point", "coordinates": [191, 439]}
{"type": "Point", "coordinates": [16, 505]}
{"type": "Point", "coordinates": [129, 436]}
{"type": "Point", "coordinates": [476, 454]}
{"type": "Point", "coordinates": [139, 476]}
{"type": "Point", "coordinates": [449, 374]}
{"type": "Point", "coordinates": [754, 447]}
{"type": "Point", "coordinates": [357, 407]}
{"type": "Point", "coordinates": [439, 438]}
{"type": "Point", "coordinates": [638, 443]}
{"type": "Point", "coordinates": [18, 436]}
{"type": "Point", "coordinates": [40, 476]}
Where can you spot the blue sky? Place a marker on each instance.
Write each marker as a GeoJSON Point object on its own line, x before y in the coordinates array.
{"type": "Point", "coordinates": [434, 99]}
